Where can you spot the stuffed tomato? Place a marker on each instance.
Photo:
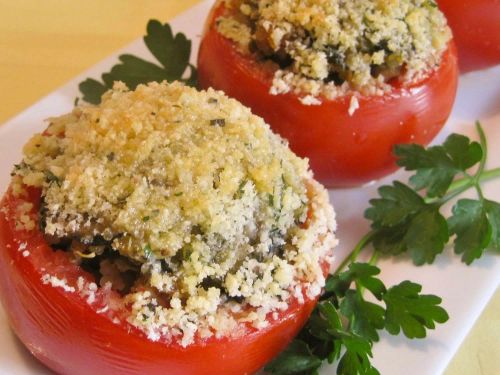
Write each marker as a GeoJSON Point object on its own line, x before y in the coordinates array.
{"type": "Point", "coordinates": [343, 81]}
{"type": "Point", "coordinates": [164, 231]}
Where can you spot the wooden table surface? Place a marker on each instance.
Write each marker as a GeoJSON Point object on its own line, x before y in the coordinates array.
{"type": "Point", "coordinates": [45, 43]}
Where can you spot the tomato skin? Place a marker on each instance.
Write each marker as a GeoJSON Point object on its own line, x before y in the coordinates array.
{"type": "Point", "coordinates": [67, 334]}
{"type": "Point", "coordinates": [476, 30]}
{"type": "Point", "coordinates": [343, 150]}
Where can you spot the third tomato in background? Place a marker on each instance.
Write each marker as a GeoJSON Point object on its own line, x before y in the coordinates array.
{"type": "Point", "coordinates": [344, 149]}
{"type": "Point", "coordinates": [476, 30]}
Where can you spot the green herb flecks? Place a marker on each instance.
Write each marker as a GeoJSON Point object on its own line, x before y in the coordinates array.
{"type": "Point", "coordinates": [241, 189]}
{"type": "Point", "coordinates": [405, 219]}
{"type": "Point", "coordinates": [147, 251]}
{"type": "Point", "coordinates": [171, 51]}
{"type": "Point", "coordinates": [52, 178]}
{"type": "Point", "coordinates": [270, 200]}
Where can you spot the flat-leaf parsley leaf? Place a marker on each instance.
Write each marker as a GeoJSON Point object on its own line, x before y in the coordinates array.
{"type": "Point", "coordinates": [171, 51]}
{"type": "Point", "coordinates": [437, 166]}
{"type": "Point", "coordinates": [410, 311]}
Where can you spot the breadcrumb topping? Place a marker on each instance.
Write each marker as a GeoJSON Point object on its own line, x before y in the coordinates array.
{"type": "Point", "coordinates": [187, 204]}
{"type": "Point", "coordinates": [335, 47]}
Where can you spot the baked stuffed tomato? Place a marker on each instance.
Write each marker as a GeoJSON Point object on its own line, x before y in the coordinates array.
{"type": "Point", "coordinates": [476, 30]}
{"type": "Point", "coordinates": [343, 81]}
{"type": "Point", "coordinates": [165, 231]}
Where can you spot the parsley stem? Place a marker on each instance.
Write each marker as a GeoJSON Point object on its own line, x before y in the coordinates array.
{"type": "Point", "coordinates": [485, 176]}
{"type": "Point", "coordinates": [459, 184]}
{"type": "Point", "coordinates": [468, 183]}
{"type": "Point", "coordinates": [489, 175]}
{"type": "Point", "coordinates": [482, 164]}
{"type": "Point", "coordinates": [374, 258]}
{"type": "Point", "coordinates": [484, 146]}
{"type": "Point", "coordinates": [463, 184]}
{"type": "Point", "coordinates": [351, 258]}
{"type": "Point", "coordinates": [479, 191]}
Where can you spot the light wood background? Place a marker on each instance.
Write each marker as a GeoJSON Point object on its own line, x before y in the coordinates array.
{"type": "Point", "coordinates": [44, 43]}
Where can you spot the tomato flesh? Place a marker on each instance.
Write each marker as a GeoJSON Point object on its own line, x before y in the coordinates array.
{"type": "Point", "coordinates": [73, 337]}
{"type": "Point", "coordinates": [476, 30]}
{"type": "Point", "coordinates": [343, 149]}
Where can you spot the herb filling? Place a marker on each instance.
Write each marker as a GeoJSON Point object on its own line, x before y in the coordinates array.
{"type": "Point", "coordinates": [186, 203]}
{"type": "Point", "coordinates": [332, 47]}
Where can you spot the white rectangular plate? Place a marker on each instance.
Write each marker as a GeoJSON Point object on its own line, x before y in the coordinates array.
{"type": "Point", "coordinates": [465, 290]}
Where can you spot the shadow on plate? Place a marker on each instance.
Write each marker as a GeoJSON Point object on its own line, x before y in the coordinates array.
{"type": "Point", "coordinates": [26, 362]}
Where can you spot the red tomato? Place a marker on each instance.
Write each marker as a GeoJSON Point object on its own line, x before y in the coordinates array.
{"type": "Point", "coordinates": [71, 337]}
{"type": "Point", "coordinates": [343, 150]}
{"type": "Point", "coordinates": [476, 30]}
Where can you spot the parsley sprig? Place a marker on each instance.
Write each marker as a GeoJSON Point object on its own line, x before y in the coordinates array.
{"type": "Point", "coordinates": [404, 219]}
{"type": "Point", "coordinates": [171, 51]}
{"type": "Point", "coordinates": [345, 325]}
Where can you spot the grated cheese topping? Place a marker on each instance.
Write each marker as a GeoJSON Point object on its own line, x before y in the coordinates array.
{"type": "Point", "coordinates": [57, 283]}
{"type": "Point", "coordinates": [222, 223]}
{"type": "Point", "coordinates": [335, 47]}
